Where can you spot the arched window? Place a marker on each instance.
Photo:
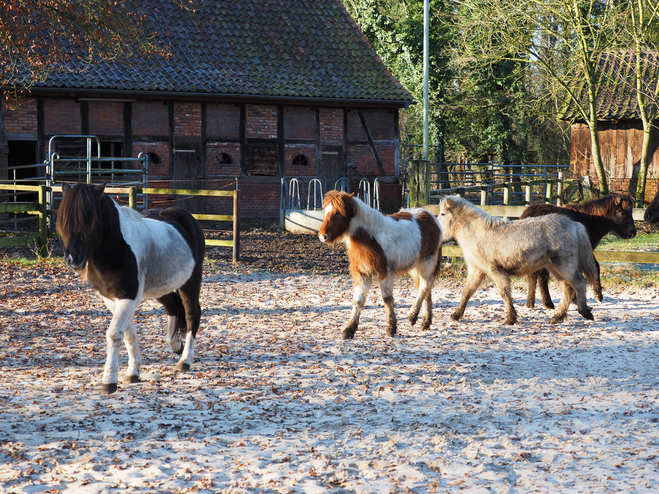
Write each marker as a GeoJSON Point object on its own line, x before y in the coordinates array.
{"type": "Point", "coordinates": [300, 160]}
{"type": "Point", "coordinates": [154, 159]}
{"type": "Point", "coordinates": [223, 159]}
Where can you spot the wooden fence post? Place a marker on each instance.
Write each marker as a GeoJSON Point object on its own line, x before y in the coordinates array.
{"type": "Point", "coordinates": [559, 189]}
{"type": "Point", "coordinates": [43, 222]}
{"type": "Point", "coordinates": [236, 224]}
{"type": "Point", "coordinates": [548, 189]}
{"type": "Point", "coordinates": [132, 197]}
{"type": "Point", "coordinates": [484, 195]}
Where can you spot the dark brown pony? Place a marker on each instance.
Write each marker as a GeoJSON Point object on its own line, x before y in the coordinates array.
{"type": "Point", "coordinates": [612, 213]}
{"type": "Point", "coordinates": [382, 246]}
{"type": "Point", "coordinates": [652, 212]}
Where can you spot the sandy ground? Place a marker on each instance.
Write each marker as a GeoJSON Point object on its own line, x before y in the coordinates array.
{"type": "Point", "coordinates": [276, 403]}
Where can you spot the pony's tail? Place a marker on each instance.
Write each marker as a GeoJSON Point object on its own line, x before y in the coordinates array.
{"type": "Point", "coordinates": [587, 263]}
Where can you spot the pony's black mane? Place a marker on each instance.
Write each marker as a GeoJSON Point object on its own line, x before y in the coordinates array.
{"type": "Point", "coordinates": [78, 214]}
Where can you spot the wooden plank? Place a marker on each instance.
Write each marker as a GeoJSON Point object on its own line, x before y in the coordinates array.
{"type": "Point", "coordinates": [18, 207]}
{"type": "Point", "coordinates": [600, 255]}
{"type": "Point", "coordinates": [18, 241]}
{"type": "Point", "coordinates": [631, 257]}
{"type": "Point", "coordinates": [213, 217]}
{"type": "Point", "coordinates": [219, 243]}
{"type": "Point", "coordinates": [185, 192]}
{"type": "Point", "coordinates": [516, 211]}
{"type": "Point", "coordinates": [30, 188]}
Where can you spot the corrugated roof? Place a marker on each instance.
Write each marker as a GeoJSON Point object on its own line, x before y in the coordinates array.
{"type": "Point", "coordinates": [271, 48]}
{"type": "Point", "coordinates": [616, 97]}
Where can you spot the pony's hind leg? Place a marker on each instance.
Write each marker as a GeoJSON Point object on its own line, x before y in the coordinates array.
{"type": "Point", "coordinates": [543, 283]}
{"type": "Point", "coordinates": [597, 286]}
{"type": "Point", "coordinates": [362, 285]}
{"type": "Point", "coordinates": [190, 299]}
{"type": "Point", "coordinates": [423, 284]}
{"type": "Point", "coordinates": [531, 281]}
{"type": "Point", "coordinates": [387, 289]}
{"type": "Point", "coordinates": [172, 337]}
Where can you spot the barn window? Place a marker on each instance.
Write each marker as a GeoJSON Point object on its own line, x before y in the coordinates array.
{"type": "Point", "coordinates": [154, 159]}
{"type": "Point", "coordinates": [300, 160]}
{"type": "Point", "coordinates": [223, 159]}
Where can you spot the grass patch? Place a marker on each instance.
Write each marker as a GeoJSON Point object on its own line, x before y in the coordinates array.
{"type": "Point", "coordinates": [642, 242]}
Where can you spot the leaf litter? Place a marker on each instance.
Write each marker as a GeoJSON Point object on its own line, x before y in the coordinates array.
{"type": "Point", "coordinates": [275, 402]}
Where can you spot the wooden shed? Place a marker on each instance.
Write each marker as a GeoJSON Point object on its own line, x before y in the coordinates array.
{"type": "Point", "coordinates": [620, 129]}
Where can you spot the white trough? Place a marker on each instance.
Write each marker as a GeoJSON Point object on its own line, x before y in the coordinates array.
{"type": "Point", "coordinates": [302, 221]}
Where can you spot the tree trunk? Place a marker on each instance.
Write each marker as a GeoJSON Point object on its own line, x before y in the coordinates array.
{"type": "Point", "coordinates": [595, 148]}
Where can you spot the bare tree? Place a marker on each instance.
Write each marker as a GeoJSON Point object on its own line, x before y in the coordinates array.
{"type": "Point", "coordinates": [560, 41]}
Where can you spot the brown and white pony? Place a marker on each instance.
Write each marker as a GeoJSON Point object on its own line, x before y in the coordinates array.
{"type": "Point", "coordinates": [651, 214]}
{"type": "Point", "coordinates": [498, 249]}
{"type": "Point", "coordinates": [382, 246]}
{"type": "Point", "coordinates": [611, 213]}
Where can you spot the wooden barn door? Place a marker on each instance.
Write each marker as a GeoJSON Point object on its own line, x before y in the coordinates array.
{"type": "Point", "coordinates": [332, 164]}
{"type": "Point", "coordinates": [187, 173]}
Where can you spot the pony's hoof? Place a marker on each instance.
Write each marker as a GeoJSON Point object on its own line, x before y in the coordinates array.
{"type": "Point", "coordinates": [510, 321]}
{"type": "Point", "coordinates": [391, 331]}
{"type": "Point", "coordinates": [599, 297]}
{"type": "Point", "coordinates": [549, 305]}
{"type": "Point", "coordinates": [587, 314]}
{"type": "Point", "coordinates": [109, 388]}
{"type": "Point", "coordinates": [557, 319]}
{"type": "Point", "coordinates": [456, 316]}
{"type": "Point", "coordinates": [132, 379]}
{"type": "Point", "coordinates": [530, 304]}
{"type": "Point", "coordinates": [178, 350]}
{"type": "Point", "coordinates": [413, 318]}
{"type": "Point", "coordinates": [425, 325]}
{"type": "Point", "coordinates": [348, 334]}
{"type": "Point", "coordinates": [184, 367]}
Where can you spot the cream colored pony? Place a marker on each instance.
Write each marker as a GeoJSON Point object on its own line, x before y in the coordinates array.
{"type": "Point", "coordinates": [499, 249]}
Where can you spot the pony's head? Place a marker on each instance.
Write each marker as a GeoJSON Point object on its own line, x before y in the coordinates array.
{"type": "Point", "coordinates": [651, 214]}
{"type": "Point", "coordinates": [624, 216]}
{"type": "Point", "coordinates": [446, 216]}
{"type": "Point", "coordinates": [79, 221]}
{"type": "Point", "coordinates": [339, 210]}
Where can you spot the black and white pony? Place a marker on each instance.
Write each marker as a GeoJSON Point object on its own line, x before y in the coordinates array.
{"type": "Point", "coordinates": [127, 257]}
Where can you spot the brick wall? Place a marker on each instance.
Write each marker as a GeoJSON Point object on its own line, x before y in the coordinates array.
{"type": "Point", "coordinates": [259, 200]}
{"type": "Point", "coordinates": [150, 118]}
{"type": "Point", "coordinates": [22, 118]}
{"type": "Point", "coordinates": [214, 150]}
{"type": "Point", "coordinates": [292, 150]}
{"type": "Point", "coordinates": [187, 119]}
{"type": "Point", "coordinates": [331, 124]}
{"type": "Point", "coordinates": [299, 123]}
{"type": "Point", "coordinates": [261, 121]}
{"type": "Point", "coordinates": [62, 116]}
{"type": "Point", "coordinates": [106, 118]}
{"type": "Point", "coordinates": [156, 171]}
{"type": "Point", "coordinates": [222, 120]}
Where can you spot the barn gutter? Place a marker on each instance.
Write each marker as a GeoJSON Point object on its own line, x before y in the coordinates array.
{"type": "Point", "coordinates": [231, 98]}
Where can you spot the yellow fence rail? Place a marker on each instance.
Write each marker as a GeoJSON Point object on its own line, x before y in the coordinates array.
{"type": "Point", "coordinates": [39, 208]}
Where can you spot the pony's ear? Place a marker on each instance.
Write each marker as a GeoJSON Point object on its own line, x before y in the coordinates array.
{"type": "Point", "coordinates": [351, 195]}
{"type": "Point", "coordinates": [65, 188]}
{"type": "Point", "coordinates": [618, 200]}
{"type": "Point", "coordinates": [99, 189]}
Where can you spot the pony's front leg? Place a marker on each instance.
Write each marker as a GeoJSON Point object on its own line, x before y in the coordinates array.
{"type": "Point", "coordinates": [387, 289]}
{"type": "Point", "coordinates": [134, 355]}
{"type": "Point", "coordinates": [474, 280]}
{"type": "Point", "coordinates": [362, 285]}
{"type": "Point", "coordinates": [502, 282]}
{"type": "Point", "coordinates": [123, 312]}
{"type": "Point", "coordinates": [543, 284]}
{"type": "Point", "coordinates": [424, 287]}
{"type": "Point", "coordinates": [531, 281]}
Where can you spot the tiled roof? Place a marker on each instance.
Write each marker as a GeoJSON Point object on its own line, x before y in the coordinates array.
{"type": "Point", "coordinates": [271, 48]}
{"type": "Point", "coordinates": [616, 98]}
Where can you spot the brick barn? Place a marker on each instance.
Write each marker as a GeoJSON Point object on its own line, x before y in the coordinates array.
{"type": "Point", "coordinates": [254, 89]}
